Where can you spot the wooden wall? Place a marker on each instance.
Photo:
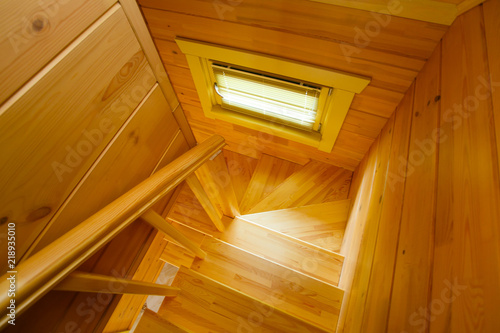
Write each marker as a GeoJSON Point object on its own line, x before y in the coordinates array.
{"type": "Point", "coordinates": [316, 33]}
{"type": "Point", "coordinates": [84, 116]}
{"type": "Point", "coordinates": [426, 197]}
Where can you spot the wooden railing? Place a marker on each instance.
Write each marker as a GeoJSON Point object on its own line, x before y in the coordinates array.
{"type": "Point", "coordinates": [43, 271]}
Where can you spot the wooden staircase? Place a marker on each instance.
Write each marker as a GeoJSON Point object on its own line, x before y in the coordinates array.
{"type": "Point", "coordinates": [275, 267]}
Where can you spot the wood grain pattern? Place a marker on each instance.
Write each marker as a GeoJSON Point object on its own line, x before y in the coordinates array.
{"type": "Point", "coordinates": [241, 169]}
{"type": "Point", "coordinates": [491, 10]}
{"type": "Point", "coordinates": [284, 250]}
{"type": "Point", "coordinates": [278, 286]}
{"type": "Point", "coordinates": [129, 307]}
{"type": "Point", "coordinates": [379, 293]}
{"type": "Point", "coordinates": [151, 322]}
{"type": "Point", "coordinates": [204, 305]}
{"type": "Point", "coordinates": [416, 241]}
{"type": "Point", "coordinates": [389, 58]}
{"type": "Point", "coordinates": [309, 185]}
{"type": "Point", "coordinates": [34, 33]}
{"type": "Point", "coordinates": [320, 224]}
{"type": "Point", "coordinates": [269, 173]}
{"type": "Point", "coordinates": [130, 158]}
{"type": "Point", "coordinates": [468, 262]}
{"type": "Point", "coordinates": [37, 274]}
{"type": "Point", "coordinates": [216, 180]}
{"type": "Point", "coordinates": [52, 132]}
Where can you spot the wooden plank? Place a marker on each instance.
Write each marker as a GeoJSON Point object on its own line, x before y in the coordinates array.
{"type": "Point", "coordinates": [129, 159]}
{"type": "Point", "coordinates": [217, 182]}
{"type": "Point", "coordinates": [364, 123]}
{"type": "Point", "coordinates": [368, 235]}
{"type": "Point", "coordinates": [241, 169]}
{"type": "Point", "coordinates": [426, 11]}
{"type": "Point", "coordinates": [307, 186]}
{"type": "Point", "coordinates": [34, 33]}
{"type": "Point", "coordinates": [161, 224]}
{"type": "Point", "coordinates": [40, 272]}
{"type": "Point", "coordinates": [188, 211]}
{"type": "Point", "coordinates": [137, 22]}
{"type": "Point", "coordinates": [151, 322]}
{"type": "Point", "coordinates": [269, 173]}
{"type": "Point", "coordinates": [319, 20]}
{"type": "Point", "coordinates": [380, 66]}
{"type": "Point", "coordinates": [287, 290]}
{"type": "Point", "coordinates": [218, 308]}
{"type": "Point", "coordinates": [198, 190]}
{"type": "Point", "coordinates": [55, 128]}
{"type": "Point", "coordinates": [412, 275]}
{"type": "Point", "coordinates": [129, 306]}
{"type": "Point", "coordinates": [306, 258]}
{"type": "Point", "coordinates": [355, 225]}
{"type": "Point", "coordinates": [320, 224]}
{"type": "Point", "coordinates": [177, 256]}
{"type": "Point", "coordinates": [467, 262]}
{"type": "Point", "coordinates": [491, 10]}
{"type": "Point", "coordinates": [379, 290]}
{"type": "Point", "coordinates": [97, 283]}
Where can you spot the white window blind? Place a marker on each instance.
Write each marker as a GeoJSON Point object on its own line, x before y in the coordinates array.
{"type": "Point", "coordinates": [290, 103]}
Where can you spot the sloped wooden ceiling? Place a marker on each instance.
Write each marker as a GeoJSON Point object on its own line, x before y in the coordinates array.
{"type": "Point", "coordinates": [390, 50]}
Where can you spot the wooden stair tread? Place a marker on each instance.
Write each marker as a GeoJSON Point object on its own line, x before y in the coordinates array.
{"type": "Point", "coordinates": [205, 305]}
{"type": "Point", "coordinates": [269, 174]}
{"type": "Point", "coordinates": [241, 169]}
{"type": "Point", "coordinates": [319, 224]}
{"type": "Point", "coordinates": [288, 290]}
{"type": "Point", "coordinates": [152, 322]}
{"type": "Point", "coordinates": [315, 183]}
{"type": "Point", "coordinates": [301, 256]}
{"type": "Point", "coordinates": [177, 255]}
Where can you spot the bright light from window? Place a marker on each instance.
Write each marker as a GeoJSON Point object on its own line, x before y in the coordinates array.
{"type": "Point", "coordinates": [291, 103]}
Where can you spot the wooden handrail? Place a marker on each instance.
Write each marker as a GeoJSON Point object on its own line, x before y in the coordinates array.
{"type": "Point", "coordinates": [97, 283]}
{"type": "Point", "coordinates": [45, 269]}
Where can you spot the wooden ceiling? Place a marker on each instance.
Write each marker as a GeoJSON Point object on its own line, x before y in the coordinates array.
{"type": "Point", "coordinates": [390, 50]}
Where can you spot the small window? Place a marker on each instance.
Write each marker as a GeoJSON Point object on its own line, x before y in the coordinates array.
{"type": "Point", "coordinates": [296, 101]}
{"type": "Point", "coordinates": [261, 95]}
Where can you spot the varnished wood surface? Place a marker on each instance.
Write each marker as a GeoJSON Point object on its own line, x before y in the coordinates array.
{"type": "Point", "coordinates": [269, 173]}
{"type": "Point", "coordinates": [53, 132]}
{"type": "Point", "coordinates": [241, 169]}
{"type": "Point", "coordinates": [33, 33]}
{"type": "Point", "coordinates": [129, 306]}
{"type": "Point", "coordinates": [151, 322]}
{"type": "Point", "coordinates": [124, 163]}
{"type": "Point", "coordinates": [320, 224]}
{"type": "Point", "coordinates": [205, 305]}
{"type": "Point", "coordinates": [281, 287]}
{"type": "Point", "coordinates": [390, 58]}
{"type": "Point", "coordinates": [445, 204]}
{"type": "Point", "coordinates": [314, 183]}
{"type": "Point", "coordinates": [290, 252]}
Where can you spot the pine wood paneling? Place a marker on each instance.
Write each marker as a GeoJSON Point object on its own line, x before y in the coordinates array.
{"type": "Point", "coordinates": [151, 322]}
{"type": "Point", "coordinates": [130, 158]}
{"type": "Point", "coordinates": [53, 132]}
{"type": "Point", "coordinates": [469, 187]}
{"type": "Point", "coordinates": [416, 241]}
{"type": "Point", "coordinates": [35, 32]}
{"type": "Point", "coordinates": [379, 292]}
{"type": "Point", "coordinates": [337, 34]}
{"type": "Point", "coordinates": [492, 26]}
{"type": "Point", "coordinates": [445, 209]}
